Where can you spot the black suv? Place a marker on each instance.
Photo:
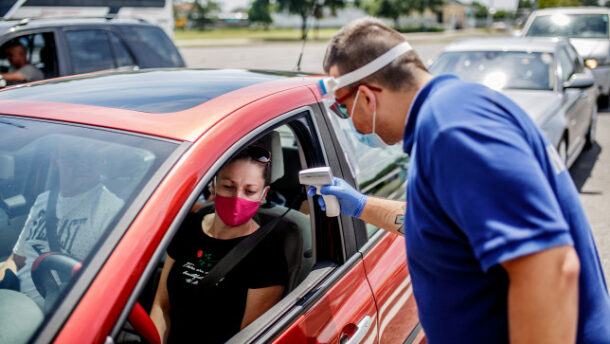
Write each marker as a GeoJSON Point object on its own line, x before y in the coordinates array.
{"type": "Point", "coordinates": [60, 47]}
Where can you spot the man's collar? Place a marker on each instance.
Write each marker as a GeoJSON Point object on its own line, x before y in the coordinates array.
{"type": "Point", "coordinates": [420, 98]}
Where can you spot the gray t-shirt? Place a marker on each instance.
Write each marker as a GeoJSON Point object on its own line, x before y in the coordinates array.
{"type": "Point", "coordinates": [81, 221]}
{"type": "Point", "coordinates": [31, 73]}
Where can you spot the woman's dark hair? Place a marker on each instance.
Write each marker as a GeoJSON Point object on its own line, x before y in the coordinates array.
{"type": "Point", "coordinates": [257, 155]}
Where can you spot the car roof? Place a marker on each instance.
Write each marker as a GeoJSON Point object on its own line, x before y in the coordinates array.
{"type": "Point", "coordinates": [571, 10]}
{"type": "Point", "coordinates": [173, 103]}
{"type": "Point", "coordinates": [34, 23]}
{"type": "Point", "coordinates": [533, 44]}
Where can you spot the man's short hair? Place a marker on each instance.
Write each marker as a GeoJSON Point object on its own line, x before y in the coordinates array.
{"type": "Point", "coordinates": [13, 44]}
{"type": "Point", "coordinates": [362, 41]}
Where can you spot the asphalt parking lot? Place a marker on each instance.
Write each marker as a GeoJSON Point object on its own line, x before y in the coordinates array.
{"type": "Point", "coordinates": [591, 172]}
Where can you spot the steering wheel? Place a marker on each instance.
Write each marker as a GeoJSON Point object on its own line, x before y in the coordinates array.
{"type": "Point", "coordinates": [45, 281]}
{"type": "Point", "coordinates": [66, 267]}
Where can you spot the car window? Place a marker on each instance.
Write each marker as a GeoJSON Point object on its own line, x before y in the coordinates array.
{"type": "Point", "coordinates": [121, 53]}
{"type": "Point", "coordinates": [589, 25]}
{"type": "Point", "coordinates": [90, 50]}
{"type": "Point", "coordinates": [62, 188]}
{"type": "Point", "coordinates": [576, 60]}
{"type": "Point", "coordinates": [379, 172]}
{"type": "Point", "coordinates": [40, 52]}
{"type": "Point", "coordinates": [499, 69]}
{"type": "Point", "coordinates": [152, 46]}
{"type": "Point", "coordinates": [567, 65]}
{"type": "Point", "coordinates": [292, 236]}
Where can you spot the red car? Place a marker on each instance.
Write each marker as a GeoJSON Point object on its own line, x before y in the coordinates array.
{"type": "Point", "coordinates": [152, 141]}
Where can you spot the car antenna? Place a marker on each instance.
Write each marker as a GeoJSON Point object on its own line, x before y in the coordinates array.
{"type": "Point", "coordinates": [313, 13]}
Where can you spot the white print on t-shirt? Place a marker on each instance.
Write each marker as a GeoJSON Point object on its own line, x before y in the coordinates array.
{"type": "Point", "coordinates": [81, 220]}
{"type": "Point", "coordinates": [193, 274]}
{"type": "Point", "coordinates": [558, 164]}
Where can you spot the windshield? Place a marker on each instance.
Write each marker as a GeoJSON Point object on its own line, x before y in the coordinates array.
{"type": "Point", "coordinates": [570, 25]}
{"type": "Point", "coordinates": [499, 69]}
{"type": "Point", "coordinates": [62, 189]}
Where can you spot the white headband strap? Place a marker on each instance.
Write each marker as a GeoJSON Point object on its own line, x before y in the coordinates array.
{"type": "Point", "coordinates": [330, 85]}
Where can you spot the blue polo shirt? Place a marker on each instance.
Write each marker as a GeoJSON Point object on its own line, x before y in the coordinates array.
{"type": "Point", "coordinates": [484, 187]}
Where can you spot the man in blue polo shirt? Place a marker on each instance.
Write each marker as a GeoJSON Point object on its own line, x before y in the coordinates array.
{"type": "Point", "coordinates": [498, 244]}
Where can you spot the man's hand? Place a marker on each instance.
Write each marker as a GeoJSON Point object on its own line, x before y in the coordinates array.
{"type": "Point", "coordinates": [543, 296]}
{"type": "Point", "coordinates": [351, 202]}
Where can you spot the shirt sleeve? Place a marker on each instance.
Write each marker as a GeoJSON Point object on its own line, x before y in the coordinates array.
{"type": "Point", "coordinates": [267, 265]}
{"type": "Point", "coordinates": [176, 246]}
{"type": "Point", "coordinates": [36, 214]}
{"type": "Point", "coordinates": [31, 73]}
{"type": "Point", "coordinates": [492, 187]}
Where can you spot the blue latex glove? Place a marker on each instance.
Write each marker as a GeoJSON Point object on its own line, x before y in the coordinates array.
{"type": "Point", "coordinates": [351, 201]}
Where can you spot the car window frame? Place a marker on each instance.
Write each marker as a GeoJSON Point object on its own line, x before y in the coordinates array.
{"type": "Point", "coordinates": [58, 40]}
{"type": "Point", "coordinates": [299, 299]}
{"type": "Point", "coordinates": [54, 322]}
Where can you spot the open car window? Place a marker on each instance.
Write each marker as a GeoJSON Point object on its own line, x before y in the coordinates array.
{"type": "Point", "coordinates": [291, 240]}
{"type": "Point", "coordinates": [62, 188]}
{"type": "Point", "coordinates": [386, 178]}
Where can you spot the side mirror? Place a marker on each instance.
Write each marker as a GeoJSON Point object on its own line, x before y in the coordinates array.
{"type": "Point", "coordinates": [516, 33]}
{"type": "Point", "coordinates": [580, 80]}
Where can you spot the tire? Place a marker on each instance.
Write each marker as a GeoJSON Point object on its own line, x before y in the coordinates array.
{"type": "Point", "coordinates": [602, 101]}
{"type": "Point", "coordinates": [590, 139]}
{"type": "Point", "coordinates": [562, 149]}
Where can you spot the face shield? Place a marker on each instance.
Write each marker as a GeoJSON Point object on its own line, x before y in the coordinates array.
{"type": "Point", "coordinates": [329, 85]}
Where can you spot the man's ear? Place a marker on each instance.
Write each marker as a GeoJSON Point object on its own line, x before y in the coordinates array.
{"type": "Point", "coordinates": [369, 97]}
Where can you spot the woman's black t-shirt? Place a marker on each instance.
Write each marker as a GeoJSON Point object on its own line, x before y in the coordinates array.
{"type": "Point", "coordinates": [214, 314]}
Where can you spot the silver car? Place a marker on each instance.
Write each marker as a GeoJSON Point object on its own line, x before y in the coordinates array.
{"type": "Point", "coordinates": [588, 31]}
{"type": "Point", "coordinates": [545, 76]}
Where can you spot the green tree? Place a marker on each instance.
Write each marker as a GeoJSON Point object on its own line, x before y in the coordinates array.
{"type": "Point", "coordinates": [204, 13]}
{"type": "Point", "coordinates": [307, 8]}
{"type": "Point", "coordinates": [394, 9]}
{"type": "Point", "coordinates": [260, 13]}
{"type": "Point", "coordinates": [557, 3]}
{"type": "Point", "coordinates": [480, 11]}
{"type": "Point", "coordinates": [590, 2]}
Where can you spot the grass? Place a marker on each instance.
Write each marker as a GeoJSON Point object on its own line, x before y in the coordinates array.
{"type": "Point", "coordinates": [256, 34]}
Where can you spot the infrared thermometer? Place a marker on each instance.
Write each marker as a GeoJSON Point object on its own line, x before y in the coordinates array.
{"type": "Point", "coordinates": [319, 176]}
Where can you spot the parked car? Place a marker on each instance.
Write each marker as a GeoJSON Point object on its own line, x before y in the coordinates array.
{"type": "Point", "coordinates": [60, 47]}
{"type": "Point", "coordinates": [588, 31]}
{"type": "Point", "coordinates": [160, 136]}
{"type": "Point", "coordinates": [545, 76]}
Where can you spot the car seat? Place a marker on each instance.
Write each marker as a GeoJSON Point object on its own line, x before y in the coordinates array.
{"type": "Point", "coordinates": [47, 57]}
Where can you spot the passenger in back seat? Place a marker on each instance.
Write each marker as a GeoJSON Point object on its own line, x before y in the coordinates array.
{"type": "Point", "coordinates": [184, 309]}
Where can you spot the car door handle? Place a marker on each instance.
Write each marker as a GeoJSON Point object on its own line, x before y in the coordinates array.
{"type": "Point", "coordinates": [358, 333]}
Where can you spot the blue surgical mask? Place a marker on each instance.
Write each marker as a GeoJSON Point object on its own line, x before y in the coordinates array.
{"type": "Point", "coordinates": [372, 139]}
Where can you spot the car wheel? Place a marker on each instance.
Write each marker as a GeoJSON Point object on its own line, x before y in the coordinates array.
{"type": "Point", "coordinates": [591, 132]}
{"type": "Point", "coordinates": [562, 149]}
{"type": "Point", "coordinates": [602, 101]}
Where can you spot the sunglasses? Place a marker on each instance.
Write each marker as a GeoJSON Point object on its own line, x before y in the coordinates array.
{"type": "Point", "coordinates": [257, 153]}
{"type": "Point", "coordinates": [340, 109]}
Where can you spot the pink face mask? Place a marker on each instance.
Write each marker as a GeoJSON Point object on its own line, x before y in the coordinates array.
{"type": "Point", "coordinates": [234, 211]}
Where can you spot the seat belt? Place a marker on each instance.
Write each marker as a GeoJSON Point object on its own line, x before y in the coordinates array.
{"type": "Point", "coordinates": [241, 250]}
{"type": "Point", "coordinates": [238, 253]}
{"type": "Point", "coordinates": [51, 220]}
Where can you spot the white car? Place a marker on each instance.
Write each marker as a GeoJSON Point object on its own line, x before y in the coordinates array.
{"type": "Point", "coordinates": [544, 76]}
{"type": "Point", "coordinates": [588, 31]}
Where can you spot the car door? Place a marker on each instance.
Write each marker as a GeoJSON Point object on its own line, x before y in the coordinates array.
{"type": "Point", "coordinates": [382, 172]}
{"type": "Point", "coordinates": [574, 102]}
{"type": "Point", "coordinates": [332, 301]}
{"type": "Point", "coordinates": [587, 96]}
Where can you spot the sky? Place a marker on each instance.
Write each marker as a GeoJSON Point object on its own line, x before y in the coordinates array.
{"type": "Point", "coordinates": [228, 5]}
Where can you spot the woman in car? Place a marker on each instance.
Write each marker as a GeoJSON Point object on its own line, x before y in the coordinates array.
{"type": "Point", "coordinates": [185, 309]}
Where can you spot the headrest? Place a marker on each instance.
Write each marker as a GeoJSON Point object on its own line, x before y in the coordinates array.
{"type": "Point", "coordinates": [277, 157]}
{"type": "Point", "coordinates": [7, 166]}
